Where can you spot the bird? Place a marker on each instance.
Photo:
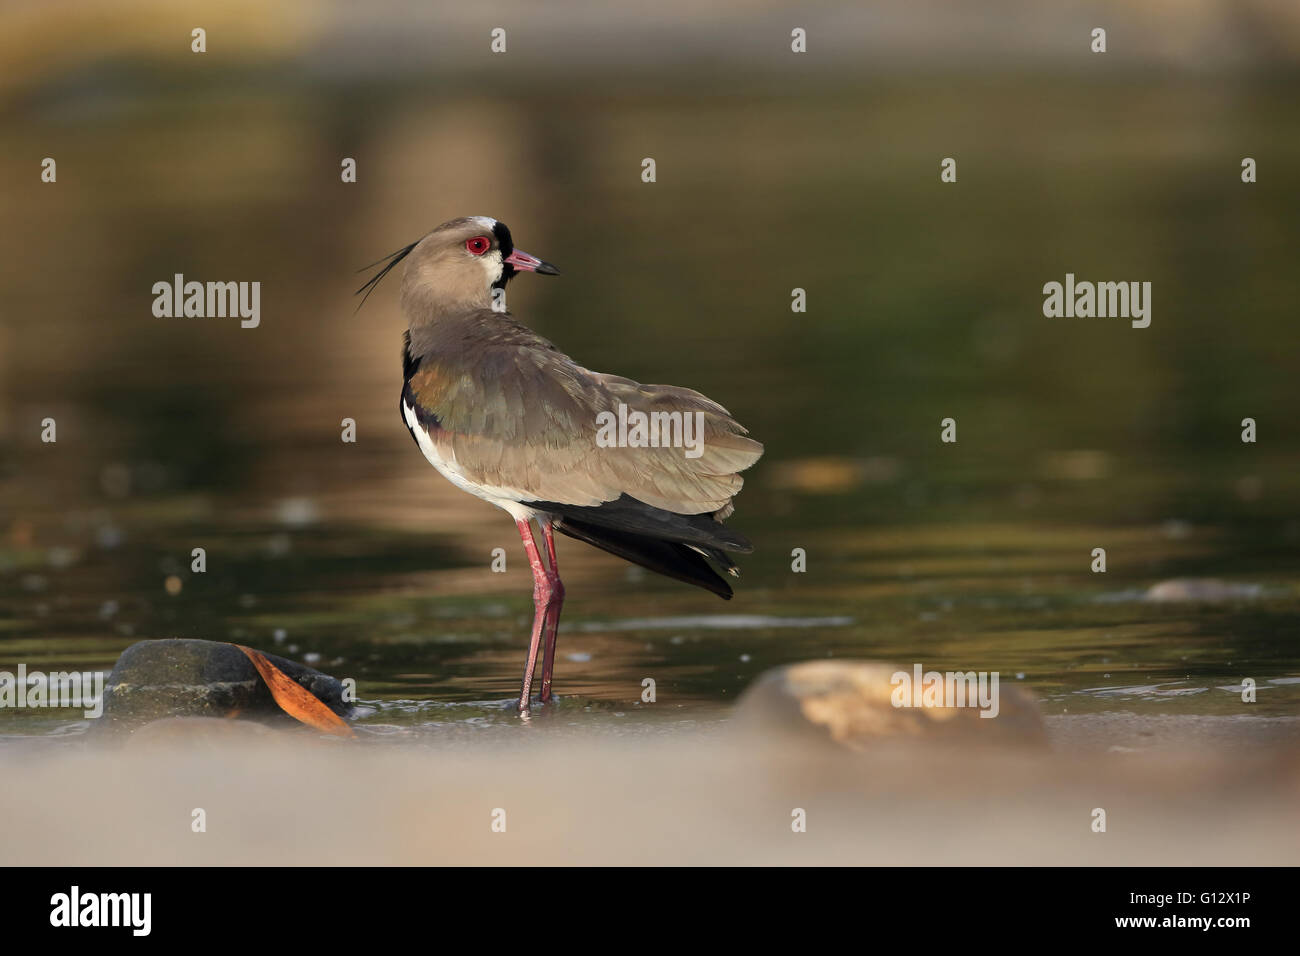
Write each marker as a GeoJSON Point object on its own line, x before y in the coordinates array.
{"type": "Point", "coordinates": [506, 416]}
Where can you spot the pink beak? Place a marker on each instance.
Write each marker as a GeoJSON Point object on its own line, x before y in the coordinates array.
{"type": "Point", "coordinates": [523, 262]}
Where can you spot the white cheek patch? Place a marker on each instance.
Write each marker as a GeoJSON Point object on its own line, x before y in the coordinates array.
{"type": "Point", "coordinates": [492, 265]}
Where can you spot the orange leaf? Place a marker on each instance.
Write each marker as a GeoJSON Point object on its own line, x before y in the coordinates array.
{"type": "Point", "coordinates": [294, 699]}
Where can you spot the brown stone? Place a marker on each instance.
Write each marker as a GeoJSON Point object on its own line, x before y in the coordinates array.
{"type": "Point", "coordinates": [852, 703]}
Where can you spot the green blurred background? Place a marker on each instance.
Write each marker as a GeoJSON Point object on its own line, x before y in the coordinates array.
{"type": "Point", "coordinates": [774, 171]}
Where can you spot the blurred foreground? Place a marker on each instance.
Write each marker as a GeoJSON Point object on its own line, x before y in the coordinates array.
{"type": "Point", "coordinates": [1206, 793]}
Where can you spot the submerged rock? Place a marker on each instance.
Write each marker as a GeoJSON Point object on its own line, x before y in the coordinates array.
{"type": "Point", "coordinates": [857, 704]}
{"type": "Point", "coordinates": [177, 677]}
{"type": "Point", "coordinates": [201, 733]}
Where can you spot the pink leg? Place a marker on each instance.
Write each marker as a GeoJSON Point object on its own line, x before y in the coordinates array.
{"type": "Point", "coordinates": [552, 611]}
{"type": "Point", "coordinates": [541, 603]}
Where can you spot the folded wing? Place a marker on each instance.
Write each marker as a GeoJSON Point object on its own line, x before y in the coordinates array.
{"type": "Point", "coordinates": [510, 412]}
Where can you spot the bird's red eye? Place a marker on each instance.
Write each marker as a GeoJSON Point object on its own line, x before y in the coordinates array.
{"type": "Point", "coordinates": [478, 245]}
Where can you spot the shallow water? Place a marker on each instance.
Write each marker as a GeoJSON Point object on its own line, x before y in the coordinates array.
{"type": "Point", "coordinates": [924, 303]}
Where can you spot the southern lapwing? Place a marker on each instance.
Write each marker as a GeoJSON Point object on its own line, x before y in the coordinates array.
{"type": "Point", "coordinates": [645, 472]}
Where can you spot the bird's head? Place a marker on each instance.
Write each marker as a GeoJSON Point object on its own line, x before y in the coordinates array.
{"type": "Point", "coordinates": [458, 265]}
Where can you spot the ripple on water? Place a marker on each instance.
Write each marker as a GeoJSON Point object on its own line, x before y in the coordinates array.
{"type": "Point", "coordinates": [716, 622]}
{"type": "Point", "coordinates": [1144, 691]}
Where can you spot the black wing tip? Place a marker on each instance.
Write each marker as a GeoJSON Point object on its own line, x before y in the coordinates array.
{"type": "Point", "coordinates": [669, 558]}
{"type": "Point", "coordinates": [632, 516]}
{"type": "Point", "coordinates": [739, 543]}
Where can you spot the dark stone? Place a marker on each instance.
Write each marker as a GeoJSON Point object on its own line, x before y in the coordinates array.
{"type": "Point", "coordinates": [177, 677]}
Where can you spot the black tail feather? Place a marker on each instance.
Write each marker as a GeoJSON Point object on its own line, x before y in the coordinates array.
{"type": "Point", "coordinates": [669, 558]}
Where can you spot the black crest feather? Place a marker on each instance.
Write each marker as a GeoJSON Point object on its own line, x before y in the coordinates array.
{"type": "Point", "coordinates": [392, 259]}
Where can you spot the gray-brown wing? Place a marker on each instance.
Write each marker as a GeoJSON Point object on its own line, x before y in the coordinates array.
{"type": "Point", "coordinates": [526, 420]}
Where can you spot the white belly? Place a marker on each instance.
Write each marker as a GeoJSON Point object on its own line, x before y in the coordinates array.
{"type": "Point", "coordinates": [506, 499]}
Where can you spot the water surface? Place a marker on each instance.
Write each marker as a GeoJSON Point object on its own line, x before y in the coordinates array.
{"type": "Point", "coordinates": [924, 303]}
